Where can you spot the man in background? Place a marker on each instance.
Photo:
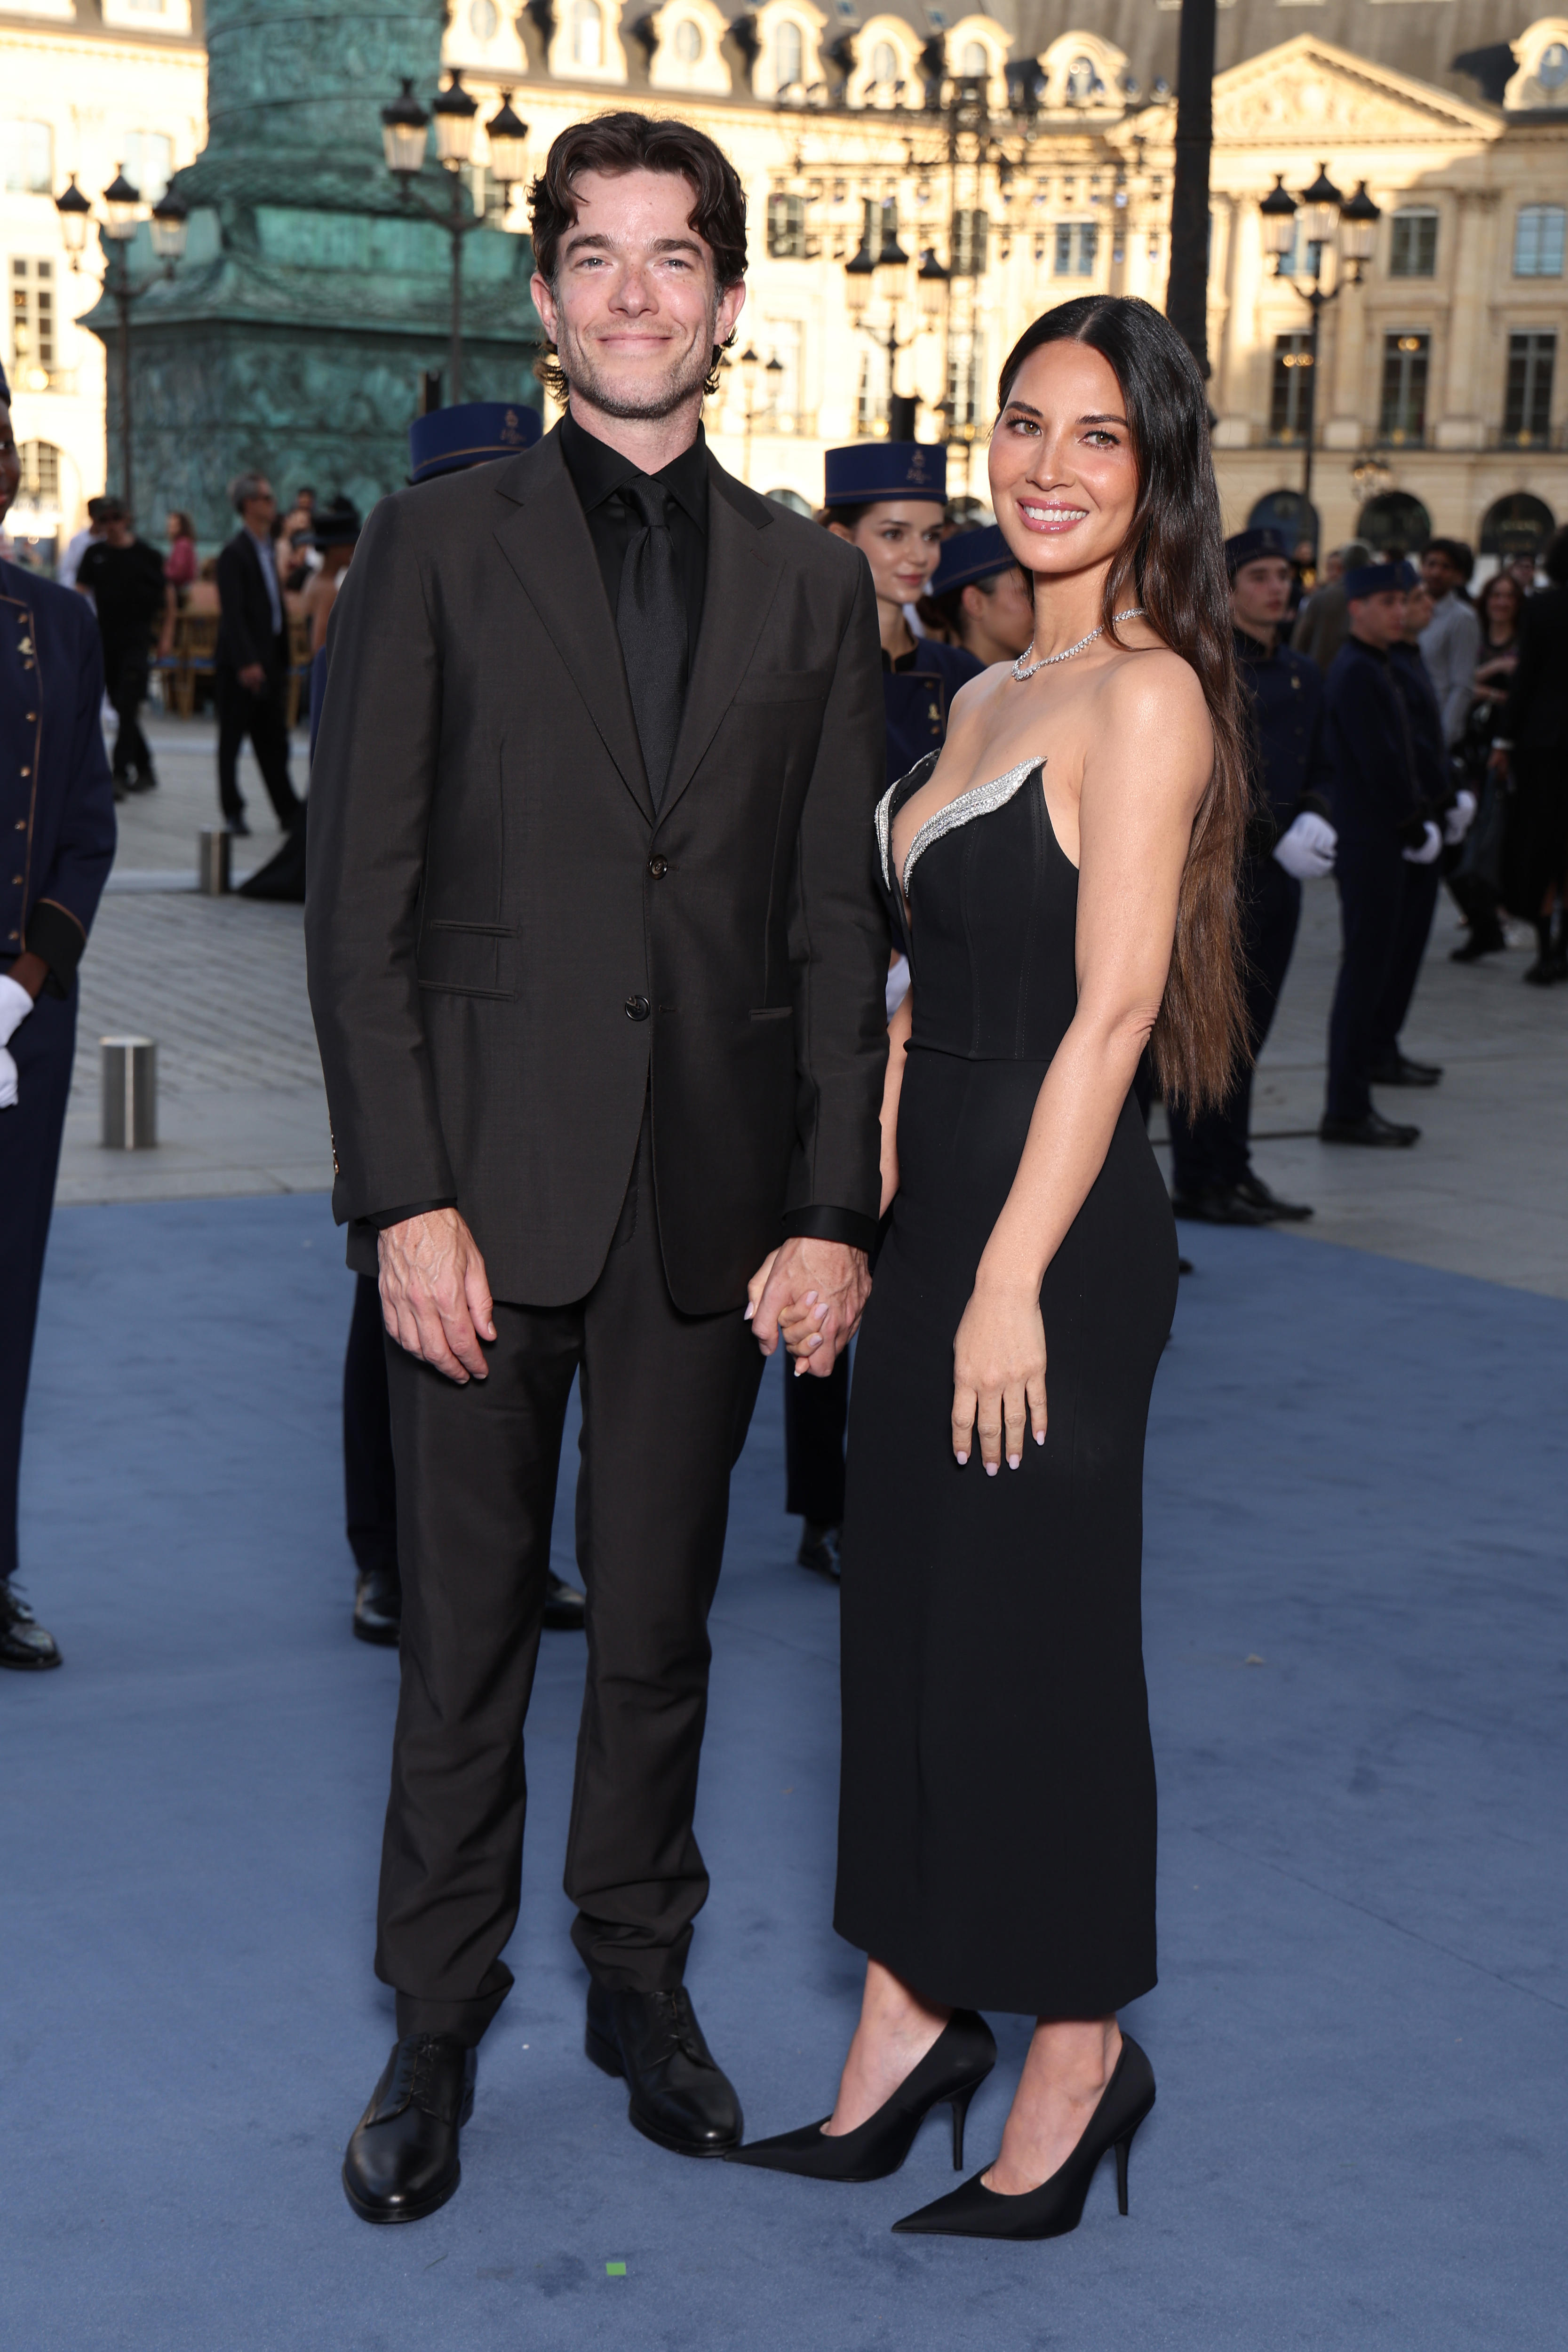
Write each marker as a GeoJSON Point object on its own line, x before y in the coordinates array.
{"type": "Point", "coordinates": [252, 669]}
{"type": "Point", "coordinates": [1324, 620]}
{"type": "Point", "coordinates": [70, 562]}
{"type": "Point", "coordinates": [1451, 641]}
{"type": "Point", "coordinates": [124, 579]}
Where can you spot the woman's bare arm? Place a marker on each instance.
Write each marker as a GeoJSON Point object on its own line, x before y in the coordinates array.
{"type": "Point", "coordinates": [899, 1029]}
{"type": "Point", "coordinates": [1141, 785]}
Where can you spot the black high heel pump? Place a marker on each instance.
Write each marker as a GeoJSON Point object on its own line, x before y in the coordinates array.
{"type": "Point", "coordinates": [1056, 2206]}
{"type": "Point", "coordinates": [952, 2070]}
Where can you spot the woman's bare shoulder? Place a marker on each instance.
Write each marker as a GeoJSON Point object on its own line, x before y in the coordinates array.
{"type": "Point", "coordinates": [1149, 681]}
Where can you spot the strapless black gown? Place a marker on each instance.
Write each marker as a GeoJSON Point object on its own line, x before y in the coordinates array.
{"type": "Point", "coordinates": [997, 1809]}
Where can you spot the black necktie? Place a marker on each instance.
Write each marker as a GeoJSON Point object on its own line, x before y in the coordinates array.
{"type": "Point", "coordinates": [650, 619]}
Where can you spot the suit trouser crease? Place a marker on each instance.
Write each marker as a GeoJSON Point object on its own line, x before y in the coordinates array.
{"type": "Point", "coordinates": [1212, 1152]}
{"type": "Point", "coordinates": [260, 717]}
{"type": "Point", "coordinates": [667, 1398]}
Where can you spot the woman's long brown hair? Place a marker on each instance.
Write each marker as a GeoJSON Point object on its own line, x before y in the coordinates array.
{"type": "Point", "coordinates": [1173, 561]}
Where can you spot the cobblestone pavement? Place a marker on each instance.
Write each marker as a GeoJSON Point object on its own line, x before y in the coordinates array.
{"type": "Point", "coordinates": [220, 984]}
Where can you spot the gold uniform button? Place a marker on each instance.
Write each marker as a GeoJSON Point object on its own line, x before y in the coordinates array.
{"type": "Point", "coordinates": [26, 771]}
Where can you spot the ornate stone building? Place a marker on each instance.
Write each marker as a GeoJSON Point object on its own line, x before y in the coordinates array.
{"type": "Point", "coordinates": [1437, 379]}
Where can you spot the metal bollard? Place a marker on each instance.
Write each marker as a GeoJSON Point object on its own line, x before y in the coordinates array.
{"type": "Point", "coordinates": [129, 1067]}
{"type": "Point", "coordinates": [212, 846]}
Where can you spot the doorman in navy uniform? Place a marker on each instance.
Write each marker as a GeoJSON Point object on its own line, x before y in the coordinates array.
{"type": "Point", "coordinates": [56, 816]}
{"type": "Point", "coordinates": [1290, 839]}
{"type": "Point", "coordinates": [889, 499]}
{"type": "Point", "coordinates": [1389, 829]}
{"type": "Point", "coordinates": [444, 442]}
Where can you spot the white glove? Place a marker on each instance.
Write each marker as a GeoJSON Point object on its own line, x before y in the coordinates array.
{"type": "Point", "coordinates": [7, 1081]}
{"type": "Point", "coordinates": [1459, 819]}
{"type": "Point", "coordinates": [1306, 849]}
{"type": "Point", "coordinates": [1431, 847]}
{"type": "Point", "coordinates": [897, 983]}
{"type": "Point", "coordinates": [15, 1006]}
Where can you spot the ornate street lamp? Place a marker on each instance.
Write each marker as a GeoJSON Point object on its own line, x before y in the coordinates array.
{"type": "Point", "coordinates": [171, 215]}
{"type": "Point", "coordinates": [124, 213]}
{"type": "Point", "coordinates": [404, 125]}
{"type": "Point", "coordinates": [1330, 225]}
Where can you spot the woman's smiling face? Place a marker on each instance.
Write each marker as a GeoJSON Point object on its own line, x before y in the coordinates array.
{"type": "Point", "coordinates": [1064, 478]}
{"type": "Point", "coordinates": [901, 541]}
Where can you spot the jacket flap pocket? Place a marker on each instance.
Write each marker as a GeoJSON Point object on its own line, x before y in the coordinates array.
{"type": "Point", "coordinates": [465, 959]}
{"type": "Point", "coordinates": [784, 686]}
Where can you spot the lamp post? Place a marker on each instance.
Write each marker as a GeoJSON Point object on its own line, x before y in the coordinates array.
{"type": "Point", "coordinates": [885, 273]}
{"type": "Point", "coordinates": [122, 215]}
{"type": "Point", "coordinates": [1332, 223]}
{"type": "Point", "coordinates": [403, 127]}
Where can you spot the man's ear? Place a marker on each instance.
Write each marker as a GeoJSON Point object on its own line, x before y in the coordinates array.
{"type": "Point", "coordinates": [732, 302]}
{"type": "Point", "coordinates": [544, 303]}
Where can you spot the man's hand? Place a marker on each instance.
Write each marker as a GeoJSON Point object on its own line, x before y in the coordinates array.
{"type": "Point", "coordinates": [253, 677]}
{"type": "Point", "coordinates": [812, 1293]}
{"type": "Point", "coordinates": [434, 1299]}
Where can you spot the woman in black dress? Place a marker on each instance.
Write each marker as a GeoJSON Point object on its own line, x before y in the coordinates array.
{"type": "Point", "coordinates": [1063, 877]}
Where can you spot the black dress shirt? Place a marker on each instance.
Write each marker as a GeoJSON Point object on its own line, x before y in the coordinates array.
{"type": "Point", "coordinates": [598, 474]}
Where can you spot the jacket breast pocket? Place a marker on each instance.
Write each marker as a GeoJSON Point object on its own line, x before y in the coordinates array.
{"type": "Point", "coordinates": [784, 686]}
{"type": "Point", "coordinates": [463, 958]}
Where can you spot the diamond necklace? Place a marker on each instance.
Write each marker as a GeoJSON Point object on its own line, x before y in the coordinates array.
{"type": "Point", "coordinates": [1133, 613]}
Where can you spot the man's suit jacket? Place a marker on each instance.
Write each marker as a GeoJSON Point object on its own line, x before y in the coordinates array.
{"type": "Point", "coordinates": [1535, 716]}
{"type": "Point", "coordinates": [245, 631]}
{"type": "Point", "coordinates": [56, 797]}
{"type": "Point", "coordinates": [507, 949]}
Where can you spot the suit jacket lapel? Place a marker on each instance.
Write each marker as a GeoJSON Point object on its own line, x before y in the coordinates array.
{"type": "Point", "coordinates": [546, 540]}
{"type": "Point", "coordinates": [742, 576]}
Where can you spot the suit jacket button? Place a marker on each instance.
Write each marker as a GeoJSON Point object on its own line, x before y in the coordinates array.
{"type": "Point", "coordinates": [638, 1008]}
{"type": "Point", "coordinates": [659, 867]}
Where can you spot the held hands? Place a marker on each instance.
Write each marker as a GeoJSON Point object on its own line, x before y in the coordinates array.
{"type": "Point", "coordinates": [1306, 849]}
{"type": "Point", "coordinates": [1431, 847]}
{"type": "Point", "coordinates": [812, 1294]}
{"type": "Point", "coordinates": [434, 1298]}
{"type": "Point", "coordinates": [999, 1375]}
{"type": "Point", "coordinates": [253, 677]}
{"type": "Point", "coordinates": [15, 1006]}
{"type": "Point", "coordinates": [1459, 818]}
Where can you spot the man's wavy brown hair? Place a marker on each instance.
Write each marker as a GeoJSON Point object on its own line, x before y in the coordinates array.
{"type": "Point", "coordinates": [1172, 562]}
{"type": "Point", "coordinates": [614, 143]}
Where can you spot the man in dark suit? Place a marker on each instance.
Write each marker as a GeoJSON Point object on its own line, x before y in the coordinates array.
{"type": "Point", "coordinates": [598, 975]}
{"type": "Point", "coordinates": [252, 664]}
{"type": "Point", "coordinates": [1532, 740]}
{"type": "Point", "coordinates": [57, 814]}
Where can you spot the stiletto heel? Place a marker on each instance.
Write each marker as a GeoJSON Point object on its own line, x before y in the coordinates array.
{"type": "Point", "coordinates": [950, 2072]}
{"type": "Point", "coordinates": [960, 2111]}
{"type": "Point", "coordinates": [1056, 2206]}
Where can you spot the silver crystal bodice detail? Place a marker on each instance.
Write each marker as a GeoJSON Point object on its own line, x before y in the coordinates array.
{"type": "Point", "coordinates": [980, 800]}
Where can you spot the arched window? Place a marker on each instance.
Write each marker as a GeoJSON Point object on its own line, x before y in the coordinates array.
{"type": "Point", "coordinates": [41, 476]}
{"type": "Point", "coordinates": [1394, 524]}
{"type": "Point", "coordinates": [484, 19]}
{"type": "Point", "coordinates": [1553, 70]}
{"type": "Point", "coordinates": [884, 63]}
{"type": "Point", "coordinates": [1538, 241]}
{"type": "Point", "coordinates": [974, 59]}
{"type": "Point", "coordinates": [687, 41]}
{"type": "Point", "coordinates": [789, 53]}
{"type": "Point", "coordinates": [1288, 513]}
{"type": "Point", "coordinates": [587, 34]}
{"type": "Point", "coordinates": [1082, 81]}
{"type": "Point", "coordinates": [1517, 525]}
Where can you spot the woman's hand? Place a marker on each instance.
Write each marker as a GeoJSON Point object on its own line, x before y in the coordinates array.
{"type": "Point", "coordinates": [999, 1375]}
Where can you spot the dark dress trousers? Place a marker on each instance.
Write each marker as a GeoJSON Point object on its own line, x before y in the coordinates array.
{"type": "Point", "coordinates": [1535, 722]}
{"type": "Point", "coordinates": [56, 814]}
{"type": "Point", "coordinates": [1380, 809]}
{"type": "Point", "coordinates": [247, 635]}
{"type": "Point", "coordinates": [1289, 771]}
{"type": "Point", "coordinates": [128, 591]}
{"type": "Point", "coordinates": [635, 1051]}
{"type": "Point", "coordinates": [1439, 784]}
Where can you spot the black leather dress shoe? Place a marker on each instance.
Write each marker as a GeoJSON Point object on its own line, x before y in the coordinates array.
{"type": "Point", "coordinates": [565, 1609]}
{"type": "Point", "coordinates": [378, 1607]}
{"type": "Point", "coordinates": [1218, 1207]}
{"type": "Point", "coordinates": [818, 1550]}
{"type": "Point", "coordinates": [402, 2161]}
{"type": "Point", "coordinates": [239, 827]}
{"type": "Point", "coordinates": [1479, 944]}
{"type": "Point", "coordinates": [23, 1644]}
{"type": "Point", "coordinates": [1401, 1071]}
{"type": "Point", "coordinates": [1378, 1133]}
{"type": "Point", "coordinates": [681, 2099]}
{"type": "Point", "coordinates": [1252, 1189]}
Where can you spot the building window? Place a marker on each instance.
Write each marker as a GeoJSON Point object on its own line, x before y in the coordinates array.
{"type": "Point", "coordinates": [587, 34]}
{"type": "Point", "coordinates": [1538, 241]}
{"type": "Point", "coordinates": [1078, 246]}
{"type": "Point", "coordinates": [28, 159]}
{"type": "Point", "coordinates": [1291, 390]}
{"type": "Point", "coordinates": [149, 162]}
{"type": "Point", "coordinates": [484, 19]}
{"type": "Point", "coordinates": [974, 61]}
{"type": "Point", "coordinates": [971, 232]}
{"type": "Point", "coordinates": [32, 324]}
{"type": "Point", "coordinates": [789, 53]}
{"type": "Point", "coordinates": [782, 385]}
{"type": "Point", "coordinates": [871, 403]}
{"type": "Point", "coordinates": [688, 42]}
{"type": "Point", "coordinates": [964, 380]}
{"type": "Point", "coordinates": [1403, 411]}
{"type": "Point", "coordinates": [787, 228]}
{"type": "Point", "coordinates": [1083, 82]}
{"type": "Point", "coordinates": [1527, 408]}
{"type": "Point", "coordinates": [884, 64]}
{"type": "Point", "coordinates": [40, 475]}
{"type": "Point", "coordinates": [1414, 250]}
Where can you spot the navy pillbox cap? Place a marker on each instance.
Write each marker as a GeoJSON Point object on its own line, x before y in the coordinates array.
{"type": "Point", "coordinates": [969, 556]}
{"type": "Point", "coordinates": [869, 470]}
{"type": "Point", "coordinates": [1251, 546]}
{"type": "Point", "coordinates": [1371, 579]}
{"type": "Point", "coordinates": [451, 438]}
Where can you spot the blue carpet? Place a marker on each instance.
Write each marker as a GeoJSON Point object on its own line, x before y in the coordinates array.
{"type": "Point", "coordinates": [1358, 1669]}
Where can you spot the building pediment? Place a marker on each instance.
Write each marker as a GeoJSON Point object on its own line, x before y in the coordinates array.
{"type": "Point", "coordinates": [1307, 91]}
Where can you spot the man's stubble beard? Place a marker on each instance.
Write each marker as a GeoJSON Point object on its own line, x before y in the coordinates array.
{"type": "Point", "coordinates": [648, 401]}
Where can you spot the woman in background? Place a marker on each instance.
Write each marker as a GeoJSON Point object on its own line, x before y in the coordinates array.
{"type": "Point", "coordinates": [979, 598]}
{"type": "Point", "coordinates": [1475, 881]}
